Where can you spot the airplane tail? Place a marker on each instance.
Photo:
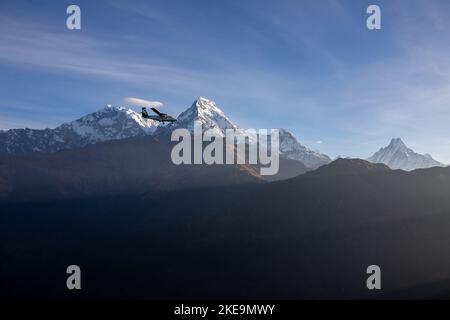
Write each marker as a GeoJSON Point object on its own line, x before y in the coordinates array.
{"type": "Point", "coordinates": [144, 112]}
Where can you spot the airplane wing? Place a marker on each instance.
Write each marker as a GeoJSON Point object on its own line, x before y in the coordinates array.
{"type": "Point", "coordinates": [157, 112]}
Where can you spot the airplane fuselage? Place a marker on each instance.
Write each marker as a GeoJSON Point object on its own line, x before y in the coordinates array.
{"type": "Point", "coordinates": [162, 118]}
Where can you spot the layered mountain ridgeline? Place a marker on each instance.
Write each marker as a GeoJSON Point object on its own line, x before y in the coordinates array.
{"type": "Point", "coordinates": [115, 123]}
{"type": "Point", "coordinates": [116, 152]}
{"type": "Point", "coordinates": [312, 236]}
{"type": "Point", "coordinates": [124, 167]}
{"type": "Point", "coordinates": [130, 166]}
{"type": "Point", "coordinates": [346, 193]}
{"type": "Point", "coordinates": [142, 227]}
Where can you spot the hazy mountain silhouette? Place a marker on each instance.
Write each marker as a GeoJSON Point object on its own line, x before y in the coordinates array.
{"type": "Point", "coordinates": [311, 236]}
{"type": "Point", "coordinates": [130, 166]}
{"type": "Point", "coordinates": [121, 167]}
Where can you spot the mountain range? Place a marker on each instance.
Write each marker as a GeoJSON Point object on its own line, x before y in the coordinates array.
{"type": "Point", "coordinates": [119, 153]}
{"type": "Point", "coordinates": [109, 123]}
{"type": "Point", "coordinates": [114, 198]}
{"type": "Point", "coordinates": [398, 156]}
{"type": "Point", "coordinates": [114, 151]}
{"type": "Point", "coordinates": [115, 123]}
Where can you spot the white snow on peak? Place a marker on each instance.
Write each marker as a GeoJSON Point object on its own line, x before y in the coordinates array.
{"type": "Point", "coordinates": [292, 149]}
{"type": "Point", "coordinates": [208, 113]}
{"type": "Point", "coordinates": [213, 118]}
{"type": "Point", "coordinates": [108, 123]}
{"type": "Point", "coordinates": [115, 123]}
{"type": "Point", "coordinates": [398, 156]}
{"type": "Point", "coordinates": [397, 143]}
{"type": "Point", "coordinates": [111, 123]}
{"type": "Point", "coordinates": [148, 125]}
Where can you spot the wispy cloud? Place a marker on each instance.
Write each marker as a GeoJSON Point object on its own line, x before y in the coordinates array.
{"type": "Point", "coordinates": [143, 103]}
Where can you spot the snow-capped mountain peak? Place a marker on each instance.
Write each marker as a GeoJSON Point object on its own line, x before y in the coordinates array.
{"type": "Point", "coordinates": [208, 113]}
{"type": "Point", "coordinates": [114, 123]}
{"type": "Point", "coordinates": [291, 148]}
{"type": "Point", "coordinates": [397, 143]}
{"type": "Point", "coordinates": [108, 123]}
{"type": "Point", "coordinates": [111, 123]}
{"type": "Point", "coordinates": [398, 156]}
{"type": "Point", "coordinates": [213, 118]}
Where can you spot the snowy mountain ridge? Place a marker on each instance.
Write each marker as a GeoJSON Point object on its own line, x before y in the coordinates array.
{"type": "Point", "coordinates": [115, 123]}
{"type": "Point", "coordinates": [109, 123]}
{"type": "Point", "coordinates": [291, 148]}
{"type": "Point", "coordinates": [207, 113]}
{"type": "Point", "coordinates": [398, 156]}
{"type": "Point", "coordinates": [213, 118]}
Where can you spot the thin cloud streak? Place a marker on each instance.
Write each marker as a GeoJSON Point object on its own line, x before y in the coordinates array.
{"type": "Point", "coordinates": [143, 103]}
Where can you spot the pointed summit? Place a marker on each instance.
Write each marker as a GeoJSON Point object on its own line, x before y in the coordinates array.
{"type": "Point", "coordinates": [208, 113]}
{"type": "Point", "coordinates": [397, 143]}
{"type": "Point", "coordinates": [213, 118]}
{"type": "Point", "coordinates": [398, 156]}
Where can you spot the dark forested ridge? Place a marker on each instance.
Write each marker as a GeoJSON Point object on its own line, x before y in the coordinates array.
{"type": "Point", "coordinates": [312, 236]}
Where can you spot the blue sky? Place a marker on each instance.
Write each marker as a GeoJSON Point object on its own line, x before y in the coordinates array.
{"type": "Point", "coordinates": [310, 66]}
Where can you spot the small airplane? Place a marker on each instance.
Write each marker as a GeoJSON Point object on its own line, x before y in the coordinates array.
{"type": "Point", "coordinates": [160, 117]}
